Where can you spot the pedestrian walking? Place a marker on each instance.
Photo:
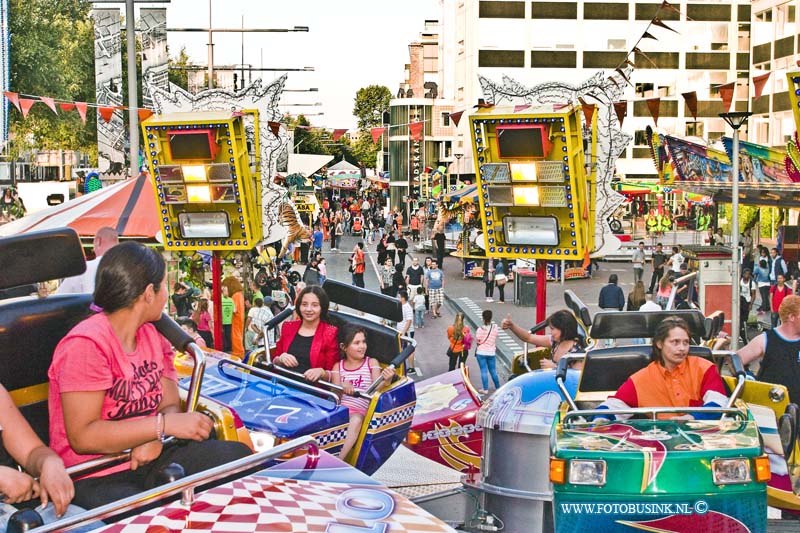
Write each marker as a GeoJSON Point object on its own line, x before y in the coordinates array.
{"type": "Point", "coordinates": [778, 266]}
{"type": "Point", "coordinates": [439, 240]}
{"type": "Point", "coordinates": [434, 282]}
{"type": "Point", "coordinates": [761, 274]}
{"type": "Point", "coordinates": [406, 327]}
{"type": "Point", "coordinates": [402, 249]}
{"type": "Point", "coordinates": [414, 276]}
{"type": "Point", "coordinates": [228, 307]}
{"type": "Point", "coordinates": [387, 278]}
{"type": "Point", "coordinates": [638, 259]}
{"type": "Point", "coordinates": [486, 351]}
{"type": "Point", "coordinates": [777, 293]}
{"type": "Point", "coordinates": [747, 294]}
{"type": "Point", "coordinates": [357, 264]}
{"type": "Point", "coordinates": [488, 279]}
{"type": "Point", "coordinates": [676, 259]}
{"type": "Point", "coordinates": [336, 236]}
{"type": "Point", "coordinates": [419, 308]}
{"type": "Point", "coordinates": [458, 334]}
{"type": "Point", "coordinates": [500, 280]}
{"type": "Point", "coordinates": [611, 295]}
{"type": "Point", "coordinates": [659, 258]}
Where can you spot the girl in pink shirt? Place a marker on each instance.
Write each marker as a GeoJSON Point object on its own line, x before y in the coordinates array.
{"type": "Point", "coordinates": [356, 372]}
{"type": "Point", "coordinates": [486, 352]}
{"type": "Point", "coordinates": [113, 386]}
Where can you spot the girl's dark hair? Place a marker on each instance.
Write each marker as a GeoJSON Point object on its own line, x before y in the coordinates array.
{"type": "Point", "coordinates": [565, 321]}
{"type": "Point", "coordinates": [348, 333]}
{"type": "Point", "coordinates": [662, 332]}
{"type": "Point", "coordinates": [124, 273]}
{"type": "Point", "coordinates": [324, 302]}
{"type": "Point", "coordinates": [487, 316]}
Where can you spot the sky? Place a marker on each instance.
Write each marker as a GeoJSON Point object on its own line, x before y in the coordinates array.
{"type": "Point", "coordinates": [350, 43]}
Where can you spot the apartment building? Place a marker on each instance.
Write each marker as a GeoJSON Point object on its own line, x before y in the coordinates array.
{"type": "Point", "coordinates": [535, 42]}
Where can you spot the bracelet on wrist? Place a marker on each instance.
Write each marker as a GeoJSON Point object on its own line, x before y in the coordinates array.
{"type": "Point", "coordinates": [159, 426]}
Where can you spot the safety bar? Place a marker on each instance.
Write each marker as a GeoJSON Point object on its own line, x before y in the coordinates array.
{"type": "Point", "coordinates": [272, 323]}
{"type": "Point", "coordinates": [410, 345]}
{"type": "Point", "coordinates": [186, 485]}
{"type": "Point", "coordinates": [561, 375]}
{"type": "Point", "coordinates": [678, 281]}
{"type": "Point", "coordinates": [653, 411]}
{"type": "Point", "coordinates": [738, 370]}
{"type": "Point", "coordinates": [301, 384]}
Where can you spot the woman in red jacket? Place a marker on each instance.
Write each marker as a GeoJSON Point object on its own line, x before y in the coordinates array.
{"type": "Point", "coordinates": [309, 345]}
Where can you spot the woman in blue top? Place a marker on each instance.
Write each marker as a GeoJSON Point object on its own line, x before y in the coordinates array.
{"type": "Point", "coordinates": [761, 275]}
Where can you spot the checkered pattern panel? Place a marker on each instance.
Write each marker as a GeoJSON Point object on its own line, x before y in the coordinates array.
{"type": "Point", "coordinates": [331, 437]}
{"type": "Point", "coordinates": [400, 414]}
{"type": "Point", "coordinates": [260, 503]}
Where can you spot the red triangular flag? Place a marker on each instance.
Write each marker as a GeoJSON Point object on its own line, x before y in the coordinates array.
{"type": "Point", "coordinates": [49, 102]}
{"type": "Point", "coordinates": [654, 105]}
{"type": "Point", "coordinates": [521, 107]}
{"type": "Point", "coordinates": [456, 117]}
{"type": "Point", "coordinates": [66, 107]}
{"type": "Point", "coordinates": [144, 114]}
{"type": "Point", "coordinates": [416, 130]}
{"type": "Point", "coordinates": [274, 127]}
{"type": "Point", "coordinates": [588, 113]}
{"type": "Point", "coordinates": [337, 134]}
{"type": "Point", "coordinates": [759, 82]}
{"type": "Point", "coordinates": [13, 98]}
{"type": "Point", "coordinates": [376, 134]}
{"type": "Point", "coordinates": [25, 105]}
{"type": "Point", "coordinates": [726, 93]}
{"type": "Point", "coordinates": [81, 107]}
{"type": "Point", "coordinates": [621, 109]}
{"type": "Point", "coordinates": [658, 22]}
{"type": "Point", "coordinates": [106, 112]}
{"type": "Point", "coordinates": [691, 102]}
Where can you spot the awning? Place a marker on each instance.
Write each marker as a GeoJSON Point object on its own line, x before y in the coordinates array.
{"type": "Point", "coordinates": [629, 189]}
{"type": "Point", "coordinates": [128, 206]}
{"type": "Point", "coordinates": [464, 195]}
{"type": "Point", "coordinates": [768, 194]}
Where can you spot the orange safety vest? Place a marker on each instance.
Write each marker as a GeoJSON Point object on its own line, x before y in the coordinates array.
{"type": "Point", "coordinates": [357, 224]}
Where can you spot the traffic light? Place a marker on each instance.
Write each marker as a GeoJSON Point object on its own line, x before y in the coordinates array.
{"type": "Point", "coordinates": [206, 193]}
{"type": "Point", "coordinates": [535, 196]}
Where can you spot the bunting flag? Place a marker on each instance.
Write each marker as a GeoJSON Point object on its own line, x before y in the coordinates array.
{"type": "Point", "coordinates": [588, 112]}
{"type": "Point", "coordinates": [726, 93]}
{"type": "Point", "coordinates": [456, 117]}
{"type": "Point", "coordinates": [586, 259]}
{"type": "Point", "coordinates": [25, 105]}
{"type": "Point", "coordinates": [49, 102]}
{"type": "Point", "coordinates": [66, 107]}
{"type": "Point", "coordinates": [521, 107]}
{"type": "Point", "coordinates": [376, 134]}
{"type": "Point", "coordinates": [631, 63]}
{"type": "Point", "coordinates": [759, 82]}
{"type": "Point", "coordinates": [667, 5]}
{"type": "Point", "coordinates": [81, 107]}
{"type": "Point", "coordinates": [274, 127]}
{"type": "Point", "coordinates": [654, 105]}
{"type": "Point", "coordinates": [691, 102]}
{"type": "Point", "coordinates": [415, 128]}
{"type": "Point", "coordinates": [621, 109]}
{"type": "Point", "coordinates": [624, 77]}
{"type": "Point", "coordinates": [482, 104]}
{"type": "Point", "coordinates": [144, 114]}
{"type": "Point", "coordinates": [658, 22]}
{"type": "Point", "coordinates": [13, 98]}
{"type": "Point", "coordinates": [647, 35]}
{"type": "Point", "coordinates": [106, 112]}
{"type": "Point", "coordinates": [337, 134]}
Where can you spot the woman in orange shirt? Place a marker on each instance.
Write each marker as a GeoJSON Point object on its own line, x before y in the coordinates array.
{"type": "Point", "coordinates": [459, 336]}
{"type": "Point", "coordinates": [236, 291]}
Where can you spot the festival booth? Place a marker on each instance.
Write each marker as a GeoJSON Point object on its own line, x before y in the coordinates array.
{"type": "Point", "coordinates": [343, 176]}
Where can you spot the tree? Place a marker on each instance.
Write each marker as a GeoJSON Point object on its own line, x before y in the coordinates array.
{"type": "Point", "coordinates": [370, 104]}
{"type": "Point", "coordinates": [52, 54]}
{"type": "Point", "coordinates": [365, 150]}
{"type": "Point", "coordinates": [306, 141]}
{"type": "Point", "coordinates": [178, 73]}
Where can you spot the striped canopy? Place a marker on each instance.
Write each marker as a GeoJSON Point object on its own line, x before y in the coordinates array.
{"type": "Point", "coordinates": [464, 195]}
{"type": "Point", "coordinates": [128, 206]}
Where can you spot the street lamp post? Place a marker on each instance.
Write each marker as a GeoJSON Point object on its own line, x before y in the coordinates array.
{"type": "Point", "coordinates": [735, 120]}
{"type": "Point", "coordinates": [458, 167]}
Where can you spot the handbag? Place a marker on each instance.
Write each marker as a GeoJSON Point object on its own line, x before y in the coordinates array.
{"type": "Point", "coordinates": [467, 339]}
{"type": "Point", "coordinates": [501, 279]}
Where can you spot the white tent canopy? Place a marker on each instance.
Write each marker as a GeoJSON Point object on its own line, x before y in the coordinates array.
{"type": "Point", "coordinates": [307, 164]}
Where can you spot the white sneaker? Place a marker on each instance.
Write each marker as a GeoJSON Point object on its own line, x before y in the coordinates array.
{"type": "Point", "coordinates": [489, 299]}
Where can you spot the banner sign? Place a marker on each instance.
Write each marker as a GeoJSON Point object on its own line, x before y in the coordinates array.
{"type": "Point", "coordinates": [108, 81]}
{"type": "Point", "coordinates": [155, 68]}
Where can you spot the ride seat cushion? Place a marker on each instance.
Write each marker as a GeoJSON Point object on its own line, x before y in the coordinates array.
{"type": "Point", "coordinates": [382, 342]}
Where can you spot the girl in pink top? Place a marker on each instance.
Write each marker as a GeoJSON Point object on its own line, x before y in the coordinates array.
{"type": "Point", "coordinates": [486, 352]}
{"type": "Point", "coordinates": [356, 372]}
{"type": "Point", "coordinates": [113, 386]}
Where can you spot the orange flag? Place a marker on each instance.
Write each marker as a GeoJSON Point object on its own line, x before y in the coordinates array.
{"type": "Point", "coordinates": [25, 105]}
{"type": "Point", "coordinates": [691, 102]}
{"type": "Point", "coordinates": [456, 117]}
{"type": "Point", "coordinates": [588, 112]}
{"type": "Point", "coordinates": [13, 98]}
{"type": "Point", "coordinates": [49, 102]}
{"type": "Point", "coordinates": [521, 107]}
{"type": "Point", "coordinates": [337, 134]}
{"type": "Point", "coordinates": [376, 134]}
{"type": "Point", "coordinates": [66, 107]}
{"type": "Point", "coordinates": [274, 127]}
{"type": "Point", "coordinates": [726, 93]}
{"type": "Point", "coordinates": [106, 112]}
{"type": "Point", "coordinates": [81, 107]}
{"type": "Point", "coordinates": [621, 109]}
{"type": "Point", "coordinates": [654, 105]}
{"type": "Point", "coordinates": [415, 128]}
{"type": "Point", "coordinates": [144, 114]}
{"type": "Point", "coordinates": [759, 82]}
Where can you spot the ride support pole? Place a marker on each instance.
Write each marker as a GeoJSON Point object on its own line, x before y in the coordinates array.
{"type": "Point", "coordinates": [541, 289]}
{"type": "Point", "coordinates": [216, 297]}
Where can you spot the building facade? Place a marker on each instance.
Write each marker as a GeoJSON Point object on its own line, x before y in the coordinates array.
{"type": "Point", "coordinates": [569, 41]}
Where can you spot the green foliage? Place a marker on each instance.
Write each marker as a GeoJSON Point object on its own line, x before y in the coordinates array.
{"type": "Point", "coordinates": [365, 150]}
{"type": "Point", "coordinates": [52, 54]}
{"type": "Point", "coordinates": [180, 76]}
{"type": "Point", "coordinates": [307, 141]}
{"type": "Point", "coordinates": [370, 104]}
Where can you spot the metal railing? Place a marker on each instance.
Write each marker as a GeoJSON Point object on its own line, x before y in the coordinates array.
{"type": "Point", "coordinates": [686, 278]}
{"type": "Point", "coordinates": [185, 486]}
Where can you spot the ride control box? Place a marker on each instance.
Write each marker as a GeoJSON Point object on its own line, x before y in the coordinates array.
{"type": "Point", "coordinates": [203, 168]}
{"type": "Point", "coordinates": [536, 199]}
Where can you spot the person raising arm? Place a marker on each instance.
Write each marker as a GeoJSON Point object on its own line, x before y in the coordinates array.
{"type": "Point", "coordinates": [563, 338]}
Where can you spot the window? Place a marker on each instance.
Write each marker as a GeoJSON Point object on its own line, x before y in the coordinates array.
{"type": "Point", "coordinates": [445, 119]}
{"type": "Point", "coordinates": [644, 89]}
{"type": "Point", "coordinates": [640, 138]}
{"type": "Point", "coordinates": [617, 44]}
{"type": "Point", "coordinates": [694, 129]}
